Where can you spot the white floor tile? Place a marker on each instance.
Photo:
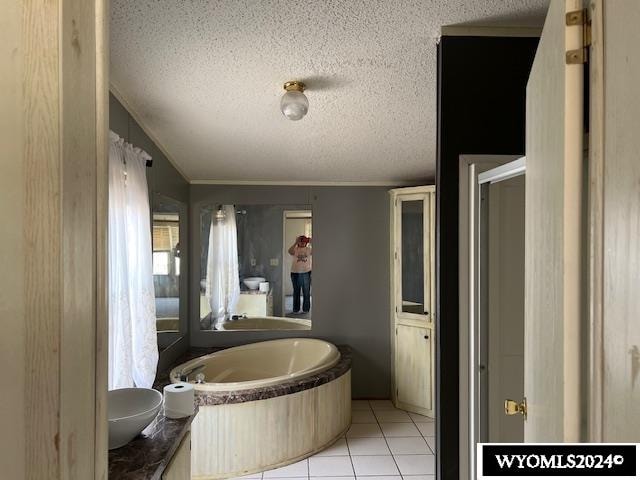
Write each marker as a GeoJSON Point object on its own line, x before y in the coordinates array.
{"type": "Point", "coordinates": [408, 446]}
{"type": "Point", "coordinates": [431, 441]}
{"type": "Point", "coordinates": [416, 464]}
{"type": "Point", "coordinates": [381, 404]}
{"type": "Point", "coordinates": [299, 469]}
{"type": "Point", "coordinates": [379, 477]}
{"type": "Point", "coordinates": [363, 416]}
{"type": "Point", "coordinates": [337, 449]}
{"type": "Point", "coordinates": [368, 446]}
{"type": "Point", "coordinates": [427, 429]}
{"type": "Point", "coordinates": [330, 466]}
{"type": "Point", "coordinates": [360, 405]}
{"type": "Point", "coordinates": [381, 465]}
{"type": "Point", "coordinates": [420, 418]}
{"type": "Point", "coordinates": [332, 478]}
{"type": "Point", "coordinates": [364, 430]}
{"type": "Point", "coordinates": [395, 416]}
{"type": "Point", "coordinates": [288, 478]}
{"type": "Point", "coordinates": [400, 430]}
{"type": "Point", "coordinates": [419, 477]}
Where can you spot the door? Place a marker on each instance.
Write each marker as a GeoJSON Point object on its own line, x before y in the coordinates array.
{"type": "Point", "coordinates": [553, 228]}
{"type": "Point", "coordinates": [504, 249]}
{"type": "Point", "coordinates": [413, 367]}
{"type": "Point", "coordinates": [414, 272]}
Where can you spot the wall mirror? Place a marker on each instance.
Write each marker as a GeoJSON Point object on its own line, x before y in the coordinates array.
{"type": "Point", "coordinates": [256, 267]}
{"type": "Point", "coordinates": [169, 268]}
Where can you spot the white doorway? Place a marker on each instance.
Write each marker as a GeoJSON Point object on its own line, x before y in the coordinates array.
{"type": "Point", "coordinates": [491, 300]}
{"type": "Point", "coordinates": [499, 318]}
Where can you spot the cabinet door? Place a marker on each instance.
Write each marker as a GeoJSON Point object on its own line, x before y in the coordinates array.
{"type": "Point", "coordinates": [413, 368]}
{"type": "Point", "coordinates": [413, 255]}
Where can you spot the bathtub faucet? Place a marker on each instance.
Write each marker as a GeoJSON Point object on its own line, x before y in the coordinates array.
{"type": "Point", "coordinates": [184, 376]}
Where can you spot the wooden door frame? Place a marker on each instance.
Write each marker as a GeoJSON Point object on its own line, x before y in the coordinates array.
{"type": "Point", "coordinates": [56, 71]}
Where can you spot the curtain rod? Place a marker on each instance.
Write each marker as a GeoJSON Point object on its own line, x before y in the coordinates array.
{"type": "Point", "coordinates": [115, 136]}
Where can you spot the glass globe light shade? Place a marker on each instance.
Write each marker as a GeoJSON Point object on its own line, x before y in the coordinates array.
{"type": "Point", "coordinates": [294, 105]}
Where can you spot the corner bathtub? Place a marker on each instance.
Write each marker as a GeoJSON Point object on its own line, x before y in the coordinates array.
{"type": "Point", "coordinates": [266, 323]}
{"type": "Point", "coordinates": [267, 404]}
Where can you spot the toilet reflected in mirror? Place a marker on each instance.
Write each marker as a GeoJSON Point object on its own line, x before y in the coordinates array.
{"type": "Point", "coordinates": [256, 267]}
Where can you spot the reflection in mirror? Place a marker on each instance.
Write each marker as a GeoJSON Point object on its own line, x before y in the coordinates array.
{"type": "Point", "coordinates": [255, 267]}
{"type": "Point", "coordinates": [297, 264]}
{"type": "Point", "coordinates": [413, 256]}
{"type": "Point", "coordinates": [166, 265]}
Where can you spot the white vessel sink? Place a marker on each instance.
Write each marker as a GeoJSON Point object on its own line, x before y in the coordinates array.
{"type": "Point", "coordinates": [130, 410]}
{"type": "Point", "coordinates": [253, 283]}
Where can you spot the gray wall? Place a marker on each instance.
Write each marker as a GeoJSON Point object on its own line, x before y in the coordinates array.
{"type": "Point", "coordinates": [163, 179]}
{"type": "Point", "coordinates": [350, 272]}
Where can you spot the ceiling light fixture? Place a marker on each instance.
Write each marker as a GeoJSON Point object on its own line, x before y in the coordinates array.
{"type": "Point", "coordinates": [294, 103]}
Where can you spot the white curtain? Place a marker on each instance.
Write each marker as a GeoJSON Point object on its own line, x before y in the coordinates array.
{"type": "Point", "coordinates": [223, 280]}
{"type": "Point", "coordinates": [133, 348]}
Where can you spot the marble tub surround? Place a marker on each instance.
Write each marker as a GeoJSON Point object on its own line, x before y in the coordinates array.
{"type": "Point", "coordinates": [203, 398]}
{"type": "Point", "coordinates": [147, 456]}
{"type": "Point", "coordinates": [286, 388]}
{"type": "Point", "coordinates": [243, 431]}
{"type": "Point", "coordinates": [237, 439]}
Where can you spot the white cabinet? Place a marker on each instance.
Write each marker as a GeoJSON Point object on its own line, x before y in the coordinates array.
{"type": "Point", "coordinates": [413, 298]}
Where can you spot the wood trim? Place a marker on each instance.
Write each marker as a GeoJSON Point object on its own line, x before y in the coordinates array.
{"type": "Point", "coordinates": [42, 232]}
{"type": "Point", "coordinates": [596, 221]}
{"type": "Point", "coordinates": [102, 17]}
{"type": "Point", "coordinates": [12, 258]}
{"type": "Point", "coordinates": [63, 177]}
{"type": "Point", "coordinates": [78, 136]}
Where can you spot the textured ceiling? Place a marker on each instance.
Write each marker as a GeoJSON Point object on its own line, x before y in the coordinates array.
{"type": "Point", "coordinates": [205, 79]}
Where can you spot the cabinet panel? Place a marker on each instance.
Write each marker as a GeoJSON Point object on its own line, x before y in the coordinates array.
{"type": "Point", "coordinates": [413, 366]}
{"type": "Point", "coordinates": [180, 466]}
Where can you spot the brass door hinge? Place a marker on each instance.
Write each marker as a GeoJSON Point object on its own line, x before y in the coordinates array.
{"type": "Point", "coordinates": [579, 18]}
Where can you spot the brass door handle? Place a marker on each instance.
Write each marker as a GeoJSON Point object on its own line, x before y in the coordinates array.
{"type": "Point", "coordinates": [511, 407]}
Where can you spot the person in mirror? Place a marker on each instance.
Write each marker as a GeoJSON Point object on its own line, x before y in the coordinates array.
{"type": "Point", "coordinates": [301, 252]}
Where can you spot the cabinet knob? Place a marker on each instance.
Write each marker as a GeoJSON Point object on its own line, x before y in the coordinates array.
{"type": "Point", "coordinates": [426, 313]}
{"type": "Point", "coordinates": [426, 337]}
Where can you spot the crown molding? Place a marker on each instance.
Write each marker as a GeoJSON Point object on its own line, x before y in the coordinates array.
{"type": "Point", "coordinates": [488, 31]}
{"type": "Point", "coordinates": [145, 128]}
{"type": "Point", "coordinates": [305, 183]}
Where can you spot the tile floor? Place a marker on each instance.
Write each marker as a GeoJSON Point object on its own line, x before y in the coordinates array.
{"type": "Point", "coordinates": [383, 443]}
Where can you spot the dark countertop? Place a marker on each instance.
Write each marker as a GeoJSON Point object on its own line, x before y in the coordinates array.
{"type": "Point", "coordinates": [147, 456]}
